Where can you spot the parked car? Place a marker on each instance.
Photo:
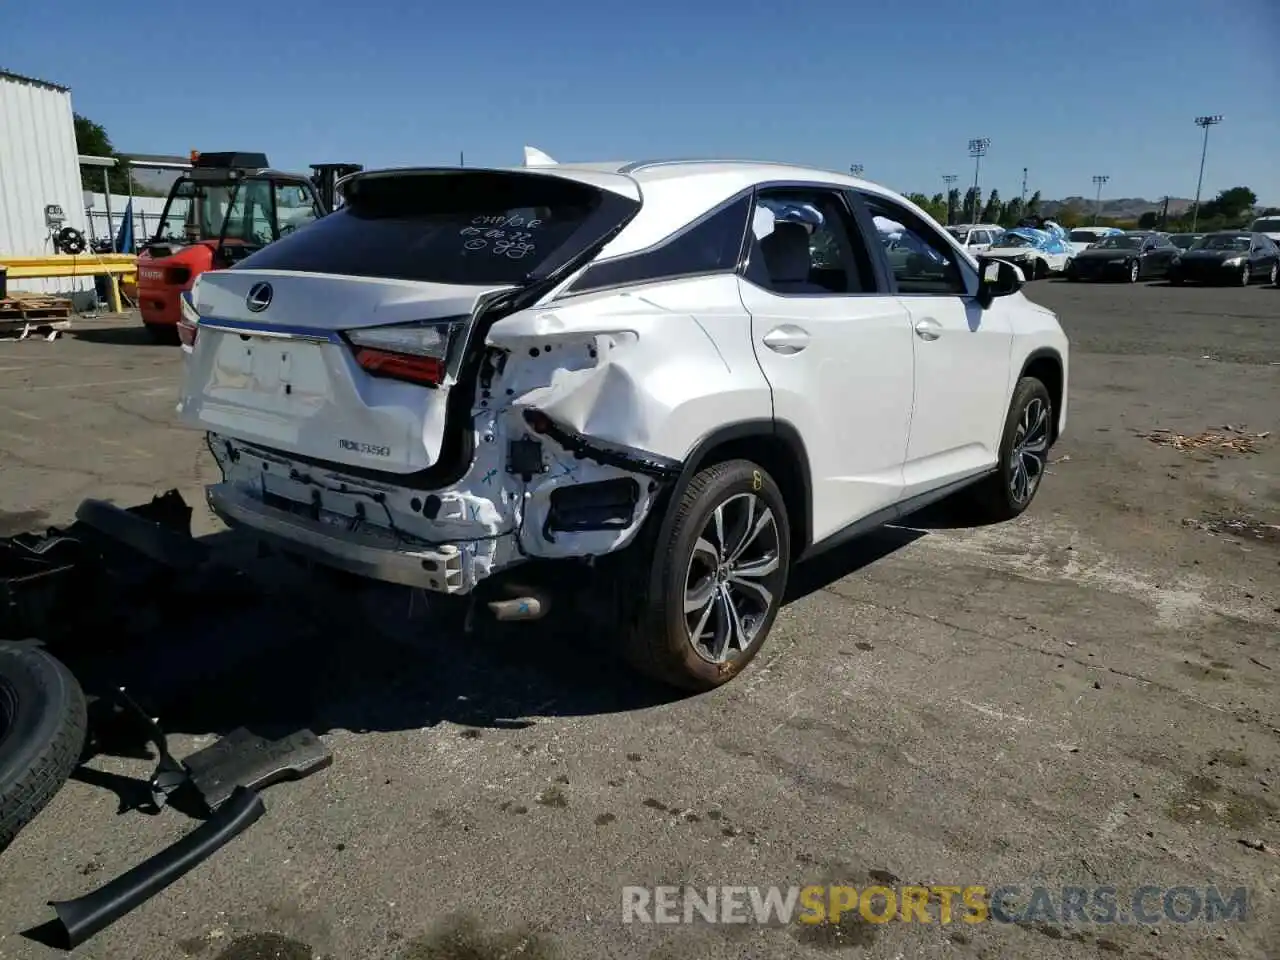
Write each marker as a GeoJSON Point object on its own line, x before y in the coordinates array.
{"type": "Point", "coordinates": [1228, 256]}
{"type": "Point", "coordinates": [1124, 256]}
{"type": "Point", "coordinates": [977, 237]}
{"type": "Point", "coordinates": [652, 376]}
{"type": "Point", "coordinates": [1184, 241]}
{"type": "Point", "coordinates": [1037, 253]}
{"type": "Point", "coordinates": [1270, 225]}
{"type": "Point", "coordinates": [1081, 238]}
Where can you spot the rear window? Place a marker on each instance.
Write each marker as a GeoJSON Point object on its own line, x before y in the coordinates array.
{"type": "Point", "coordinates": [478, 227]}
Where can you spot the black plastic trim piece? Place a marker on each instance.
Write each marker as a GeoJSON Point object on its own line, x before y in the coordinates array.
{"type": "Point", "coordinates": [603, 451]}
{"type": "Point", "coordinates": [601, 505]}
{"type": "Point", "coordinates": [81, 918]}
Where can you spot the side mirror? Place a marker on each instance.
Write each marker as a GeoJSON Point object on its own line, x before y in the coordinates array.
{"type": "Point", "coordinates": [997, 278]}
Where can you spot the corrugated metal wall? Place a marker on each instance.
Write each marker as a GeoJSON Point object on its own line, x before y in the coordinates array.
{"type": "Point", "coordinates": [38, 166]}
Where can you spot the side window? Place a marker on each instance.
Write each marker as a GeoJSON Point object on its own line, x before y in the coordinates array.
{"type": "Point", "coordinates": [802, 242]}
{"type": "Point", "coordinates": [921, 261]}
{"type": "Point", "coordinates": [979, 237]}
{"type": "Point", "coordinates": [710, 245]}
{"type": "Point", "coordinates": [294, 207]}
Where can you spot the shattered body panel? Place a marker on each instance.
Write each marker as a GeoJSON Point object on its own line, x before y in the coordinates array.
{"type": "Point", "coordinates": [585, 392]}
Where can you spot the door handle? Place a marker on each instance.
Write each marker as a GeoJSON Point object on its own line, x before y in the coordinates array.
{"type": "Point", "coordinates": [786, 339]}
{"type": "Point", "coordinates": [928, 329]}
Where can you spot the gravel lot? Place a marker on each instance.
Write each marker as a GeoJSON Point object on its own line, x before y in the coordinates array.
{"type": "Point", "coordinates": [1088, 696]}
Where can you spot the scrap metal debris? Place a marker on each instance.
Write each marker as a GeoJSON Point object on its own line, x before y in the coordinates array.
{"type": "Point", "coordinates": [1218, 440]}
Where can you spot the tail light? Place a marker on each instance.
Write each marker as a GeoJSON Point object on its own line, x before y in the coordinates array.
{"type": "Point", "coordinates": [413, 352]}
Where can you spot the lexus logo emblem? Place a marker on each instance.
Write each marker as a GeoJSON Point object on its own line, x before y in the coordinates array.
{"type": "Point", "coordinates": [259, 297]}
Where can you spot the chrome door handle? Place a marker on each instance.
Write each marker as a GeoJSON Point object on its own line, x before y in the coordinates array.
{"type": "Point", "coordinates": [786, 339]}
{"type": "Point", "coordinates": [928, 329]}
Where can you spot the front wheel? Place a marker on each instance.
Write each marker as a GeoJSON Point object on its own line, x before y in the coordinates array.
{"type": "Point", "coordinates": [1245, 276]}
{"type": "Point", "coordinates": [1274, 276]}
{"type": "Point", "coordinates": [1135, 271]}
{"type": "Point", "coordinates": [1024, 454]}
{"type": "Point", "coordinates": [719, 579]}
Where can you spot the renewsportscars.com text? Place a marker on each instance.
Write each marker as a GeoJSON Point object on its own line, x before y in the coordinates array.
{"type": "Point", "coordinates": [934, 904]}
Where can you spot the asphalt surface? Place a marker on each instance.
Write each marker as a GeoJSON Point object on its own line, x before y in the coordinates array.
{"type": "Point", "coordinates": [1089, 696]}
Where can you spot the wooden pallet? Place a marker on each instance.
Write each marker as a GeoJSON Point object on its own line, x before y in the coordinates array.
{"type": "Point", "coordinates": [42, 316]}
{"type": "Point", "coordinates": [29, 309]}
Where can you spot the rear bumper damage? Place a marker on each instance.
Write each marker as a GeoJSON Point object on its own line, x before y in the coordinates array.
{"type": "Point", "coordinates": [537, 489]}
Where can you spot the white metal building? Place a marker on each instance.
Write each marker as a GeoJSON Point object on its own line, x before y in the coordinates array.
{"type": "Point", "coordinates": [38, 166]}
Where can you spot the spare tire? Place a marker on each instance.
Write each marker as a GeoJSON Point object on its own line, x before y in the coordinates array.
{"type": "Point", "coordinates": [42, 732]}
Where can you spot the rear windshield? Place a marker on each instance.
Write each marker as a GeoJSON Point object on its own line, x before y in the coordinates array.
{"type": "Point", "coordinates": [478, 227]}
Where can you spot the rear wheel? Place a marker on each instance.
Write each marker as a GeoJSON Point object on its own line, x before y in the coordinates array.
{"type": "Point", "coordinates": [1024, 454]}
{"type": "Point", "coordinates": [42, 732]}
{"type": "Point", "coordinates": [1040, 270]}
{"type": "Point", "coordinates": [720, 579]}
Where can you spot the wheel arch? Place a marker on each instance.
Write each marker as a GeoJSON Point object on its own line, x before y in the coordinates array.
{"type": "Point", "coordinates": [1045, 364]}
{"type": "Point", "coordinates": [775, 445]}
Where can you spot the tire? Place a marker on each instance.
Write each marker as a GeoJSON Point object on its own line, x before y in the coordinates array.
{"type": "Point", "coordinates": [1175, 281]}
{"type": "Point", "coordinates": [1135, 271]}
{"type": "Point", "coordinates": [1274, 276]}
{"type": "Point", "coordinates": [660, 641]}
{"type": "Point", "coordinates": [994, 499]}
{"type": "Point", "coordinates": [162, 334]}
{"type": "Point", "coordinates": [1040, 270]}
{"type": "Point", "coordinates": [42, 732]}
{"type": "Point", "coordinates": [1245, 275]}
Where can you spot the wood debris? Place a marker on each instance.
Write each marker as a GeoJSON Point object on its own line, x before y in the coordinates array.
{"type": "Point", "coordinates": [1231, 439]}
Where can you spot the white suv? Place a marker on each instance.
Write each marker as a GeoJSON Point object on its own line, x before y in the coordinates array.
{"type": "Point", "coordinates": [684, 375]}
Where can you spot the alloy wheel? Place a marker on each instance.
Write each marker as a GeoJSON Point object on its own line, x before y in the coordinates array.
{"type": "Point", "coordinates": [1030, 449]}
{"type": "Point", "coordinates": [1274, 274]}
{"type": "Point", "coordinates": [1244, 275]}
{"type": "Point", "coordinates": [1134, 272]}
{"type": "Point", "coordinates": [734, 578]}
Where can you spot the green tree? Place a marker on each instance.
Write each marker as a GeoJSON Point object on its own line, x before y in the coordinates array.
{"type": "Point", "coordinates": [92, 141]}
{"type": "Point", "coordinates": [1148, 220]}
{"type": "Point", "coordinates": [1011, 213]}
{"type": "Point", "coordinates": [1230, 205]}
{"type": "Point", "coordinates": [1033, 205]}
{"type": "Point", "coordinates": [972, 205]}
{"type": "Point", "coordinates": [991, 212]}
{"type": "Point", "coordinates": [934, 207]}
{"type": "Point", "coordinates": [953, 203]}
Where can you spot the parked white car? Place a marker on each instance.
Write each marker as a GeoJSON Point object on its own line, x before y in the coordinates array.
{"type": "Point", "coordinates": [977, 237]}
{"type": "Point", "coordinates": [1030, 256]}
{"type": "Point", "coordinates": [673, 379]}
{"type": "Point", "coordinates": [1269, 225]}
{"type": "Point", "coordinates": [1082, 238]}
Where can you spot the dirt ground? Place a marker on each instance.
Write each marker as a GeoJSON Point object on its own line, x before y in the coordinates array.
{"type": "Point", "coordinates": [1089, 696]}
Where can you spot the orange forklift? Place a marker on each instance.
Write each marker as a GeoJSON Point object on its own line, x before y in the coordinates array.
{"type": "Point", "coordinates": [227, 206]}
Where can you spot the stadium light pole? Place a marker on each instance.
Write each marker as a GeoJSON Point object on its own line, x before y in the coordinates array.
{"type": "Point", "coordinates": [856, 169]}
{"type": "Point", "coordinates": [1205, 122]}
{"type": "Point", "coordinates": [977, 149]}
{"type": "Point", "coordinates": [948, 181]}
{"type": "Point", "coordinates": [1098, 180]}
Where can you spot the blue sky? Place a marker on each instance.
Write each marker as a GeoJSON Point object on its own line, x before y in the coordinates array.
{"type": "Point", "coordinates": [1067, 89]}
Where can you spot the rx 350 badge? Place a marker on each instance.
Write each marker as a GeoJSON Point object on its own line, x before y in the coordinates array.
{"type": "Point", "coordinates": [367, 449]}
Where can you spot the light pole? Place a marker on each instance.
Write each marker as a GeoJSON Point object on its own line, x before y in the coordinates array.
{"type": "Point", "coordinates": [1024, 186]}
{"type": "Point", "coordinates": [855, 169]}
{"type": "Point", "coordinates": [948, 181]}
{"type": "Point", "coordinates": [1098, 180]}
{"type": "Point", "coordinates": [977, 149]}
{"type": "Point", "coordinates": [1205, 122]}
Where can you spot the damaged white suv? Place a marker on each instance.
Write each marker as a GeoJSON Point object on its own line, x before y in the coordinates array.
{"type": "Point", "coordinates": [695, 373]}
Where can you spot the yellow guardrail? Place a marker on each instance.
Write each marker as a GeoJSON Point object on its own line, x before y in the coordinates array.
{"type": "Point", "coordinates": [117, 266]}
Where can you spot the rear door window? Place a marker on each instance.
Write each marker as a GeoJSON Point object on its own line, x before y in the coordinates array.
{"type": "Point", "coordinates": [458, 227]}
